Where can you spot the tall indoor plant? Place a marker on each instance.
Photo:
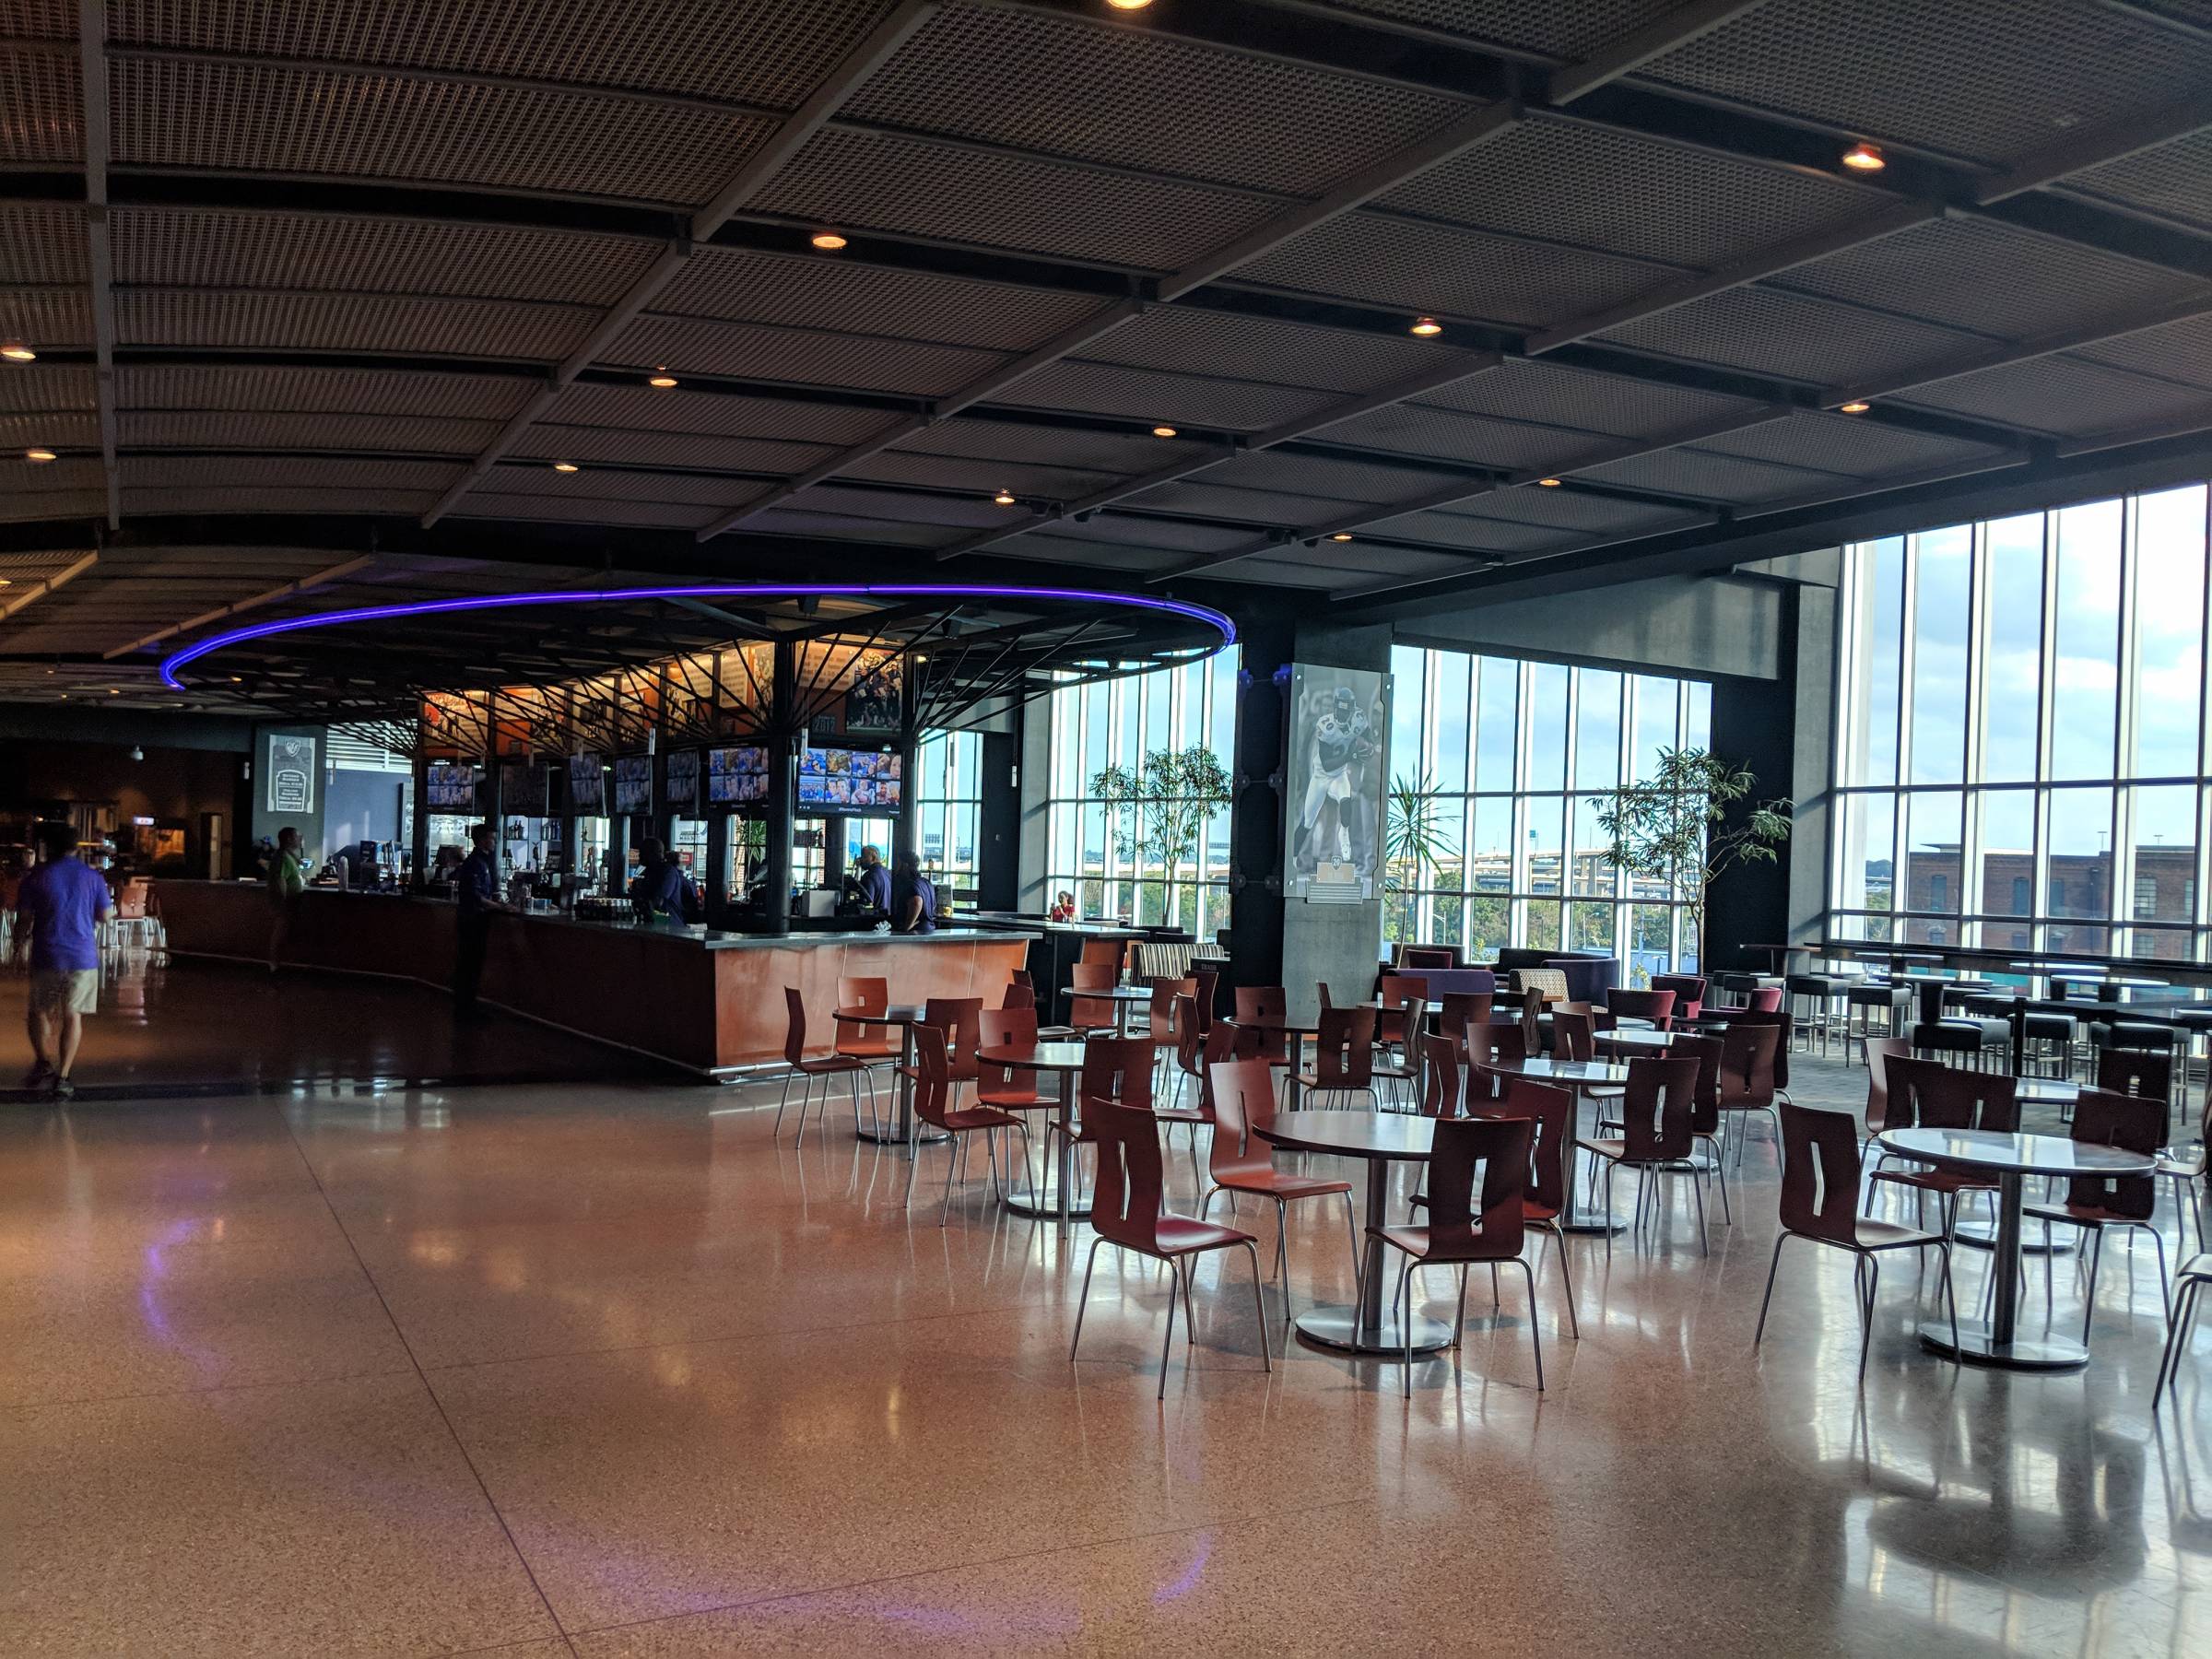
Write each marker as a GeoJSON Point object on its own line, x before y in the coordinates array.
{"type": "Point", "coordinates": [1161, 809]}
{"type": "Point", "coordinates": [1689, 823]}
{"type": "Point", "coordinates": [1413, 840]}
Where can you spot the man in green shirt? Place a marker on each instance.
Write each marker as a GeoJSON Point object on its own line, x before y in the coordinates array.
{"type": "Point", "coordinates": [288, 881]}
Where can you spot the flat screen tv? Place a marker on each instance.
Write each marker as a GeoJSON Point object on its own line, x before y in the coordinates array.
{"type": "Point", "coordinates": [736, 775]}
{"type": "Point", "coordinates": [452, 787]}
{"type": "Point", "coordinates": [680, 778]}
{"type": "Point", "coordinates": [586, 782]}
{"type": "Point", "coordinates": [845, 779]}
{"type": "Point", "coordinates": [633, 784]}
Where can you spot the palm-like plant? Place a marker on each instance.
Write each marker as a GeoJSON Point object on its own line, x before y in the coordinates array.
{"type": "Point", "coordinates": [1413, 838]}
{"type": "Point", "coordinates": [1676, 825]}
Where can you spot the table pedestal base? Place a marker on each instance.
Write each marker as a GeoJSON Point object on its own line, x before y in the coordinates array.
{"type": "Point", "coordinates": [1341, 1328]}
{"type": "Point", "coordinates": [890, 1135]}
{"type": "Point", "coordinates": [1982, 1236]}
{"type": "Point", "coordinates": [1045, 1203]}
{"type": "Point", "coordinates": [1977, 1347]}
{"type": "Point", "coordinates": [1595, 1227]}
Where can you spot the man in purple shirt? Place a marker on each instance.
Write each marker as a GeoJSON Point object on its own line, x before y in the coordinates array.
{"type": "Point", "coordinates": [63, 903]}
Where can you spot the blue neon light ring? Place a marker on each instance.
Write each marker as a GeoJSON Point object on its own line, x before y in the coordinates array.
{"type": "Point", "coordinates": [719, 590]}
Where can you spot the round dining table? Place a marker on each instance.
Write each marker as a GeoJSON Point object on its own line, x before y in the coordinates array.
{"type": "Point", "coordinates": [1065, 1061]}
{"type": "Point", "coordinates": [1124, 997]}
{"type": "Point", "coordinates": [1579, 1076]}
{"type": "Point", "coordinates": [905, 1017]}
{"type": "Point", "coordinates": [1997, 1341]}
{"type": "Point", "coordinates": [1381, 1139]}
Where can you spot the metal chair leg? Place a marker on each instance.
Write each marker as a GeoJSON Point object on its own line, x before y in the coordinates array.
{"type": "Point", "coordinates": [1259, 1306]}
{"type": "Point", "coordinates": [1874, 1279]}
{"type": "Point", "coordinates": [1774, 1267]}
{"type": "Point", "coordinates": [782, 1101]}
{"type": "Point", "coordinates": [2089, 1306]}
{"type": "Point", "coordinates": [2177, 1340]}
{"type": "Point", "coordinates": [1168, 1336]}
{"type": "Point", "coordinates": [1559, 1248]}
{"type": "Point", "coordinates": [1405, 1328]}
{"type": "Point", "coordinates": [1535, 1337]}
{"type": "Point", "coordinates": [1083, 1300]}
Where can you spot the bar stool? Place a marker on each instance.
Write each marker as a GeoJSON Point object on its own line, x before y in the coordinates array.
{"type": "Point", "coordinates": [2142, 1037]}
{"type": "Point", "coordinates": [1859, 1004]}
{"type": "Point", "coordinates": [1820, 990]}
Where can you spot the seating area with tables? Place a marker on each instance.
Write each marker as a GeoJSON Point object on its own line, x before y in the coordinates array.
{"type": "Point", "coordinates": [1092, 827]}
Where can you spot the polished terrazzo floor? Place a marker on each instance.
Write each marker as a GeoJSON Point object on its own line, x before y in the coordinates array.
{"type": "Point", "coordinates": [601, 1369]}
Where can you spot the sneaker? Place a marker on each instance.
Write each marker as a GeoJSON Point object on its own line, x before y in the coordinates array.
{"type": "Point", "coordinates": [36, 1076]}
{"type": "Point", "coordinates": [61, 1088]}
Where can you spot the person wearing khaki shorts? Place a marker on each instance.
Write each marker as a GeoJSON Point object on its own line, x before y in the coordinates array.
{"type": "Point", "coordinates": [56, 992]}
{"type": "Point", "coordinates": [62, 903]}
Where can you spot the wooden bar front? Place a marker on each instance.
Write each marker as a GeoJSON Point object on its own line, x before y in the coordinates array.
{"type": "Point", "coordinates": [711, 1002]}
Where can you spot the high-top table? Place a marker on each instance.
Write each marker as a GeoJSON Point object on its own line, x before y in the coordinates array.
{"type": "Point", "coordinates": [1379, 1138]}
{"type": "Point", "coordinates": [2011, 1158]}
{"type": "Point", "coordinates": [1065, 1061]}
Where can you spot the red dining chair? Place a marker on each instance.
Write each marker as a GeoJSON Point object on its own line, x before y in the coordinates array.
{"type": "Point", "coordinates": [1166, 1029]}
{"type": "Point", "coordinates": [1751, 1056]}
{"type": "Point", "coordinates": [1766, 999]}
{"type": "Point", "coordinates": [1233, 1040]}
{"type": "Point", "coordinates": [1551, 1110]}
{"type": "Point", "coordinates": [1689, 989]}
{"type": "Point", "coordinates": [1706, 1123]}
{"type": "Point", "coordinates": [1012, 1089]}
{"type": "Point", "coordinates": [808, 1071]}
{"type": "Point", "coordinates": [1658, 1007]}
{"type": "Point", "coordinates": [1344, 1055]}
{"type": "Point", "coordinates": [1820, 1202]}
{"type": "Point", "coordinates": [1440, 1067]}
{"type": "Point", "coordinates": [1573, 1032]}
{"type": "Point", "coordinates": [931, 1078]}
{"type": "Point", "coordinates": [1399, 1026]}
{"type": "Point", "coordinates": [1928, 1094]}
{"type": "Point", "coordinates": [1532, 1014]}
{"type": "Point", "coordinates": [962, 1020]}
{"type": "Point", "coordinates": [1091, 976]}
{"type": "Point", "coordinates": [1880, 1052]}
{"type": "Point", "coordinates": [1413, 957]}
{"type": "Point", "coordinates": [1241, 1094]}
{"type": "Point", "coordinates": [1460, 1009]}
{"type": "Point", "coordinates": [1265, 1008]}
{"type": "Point", "coordinates": [1126, 1211]}
{"type": "Point", "coordinates": [1454, 1235]}
{"type": "Point", "coordinates": [1021, 993]}
{"type": "Point", "coordinates": [1190, 1062]}
{"type": "Point", "coordinates": [2095, 1204]}
{"type": "Point", "coordinates": [1655, 1138]}
{"type": "Point", "coordinates": [1497, 1044]}
{"type": "Point", "coordinates": [872, 1045]}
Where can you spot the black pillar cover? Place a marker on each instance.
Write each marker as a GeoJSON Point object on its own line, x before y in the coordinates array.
{"type": "Point", "coordinates": [783, 787]}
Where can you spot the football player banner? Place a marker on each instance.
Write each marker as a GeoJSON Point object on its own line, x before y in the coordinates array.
{"type": "Point", "coordinates": [1336, 776]}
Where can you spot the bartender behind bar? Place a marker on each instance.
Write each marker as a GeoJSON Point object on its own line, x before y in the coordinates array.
{"type": "Point", "coordinates": [872, 884]}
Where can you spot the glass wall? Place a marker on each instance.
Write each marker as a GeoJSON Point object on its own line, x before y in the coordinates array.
{"type": "Point", "coordinates": [2019, 731]}
{"type": "Point", "coordinates": [1504, 756]}
{"type": "Point", "coordinates": [1119, 722]}
{"type": "Point", "coordinates": [948, 796]}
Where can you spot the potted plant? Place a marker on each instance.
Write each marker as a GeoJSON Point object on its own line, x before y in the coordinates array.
{"type": "Point", "coordinates": [1413, 840]}
{"type": "Point", "coordinates": [1688, 824]}
{"type": "Point", "coordinates": [1162, 809]}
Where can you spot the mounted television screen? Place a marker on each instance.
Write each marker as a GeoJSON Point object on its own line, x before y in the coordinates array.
{"type": "Point", "coordinates": [849, 779]}
{"type": "Point", "coordinates": [633, 784]}
{"type": "Point", "coordinates": [736, 775]}
{"type": "Point", "coordinates": [452, 787]}
{"type": "Point", "coordinates": [681, 779]}
{"type": "Point", "coordinates": [585, 794]}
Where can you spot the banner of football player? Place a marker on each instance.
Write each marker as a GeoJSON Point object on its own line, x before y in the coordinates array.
{"type": "Point", "coordinates": [1336, 783]}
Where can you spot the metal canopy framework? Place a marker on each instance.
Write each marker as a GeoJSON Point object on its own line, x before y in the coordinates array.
{"type": "Point", "coordinates": [1124, 298]}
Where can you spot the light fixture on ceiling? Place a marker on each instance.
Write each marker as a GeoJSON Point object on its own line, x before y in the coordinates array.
{"type": "Point", "coordinates": [1004, 498]}
{"type": "Point", "coordinates": [238, 679]}
{"type": "Point", "coordinates": [1342, 536]}
{"type": "Point", "coordinates": [38, 457]}
{"type": "Point", "coordinates": [1866, 158]}
{"type": "Point", "coordinates": [114, 692]}
{"type": "Point", "coordinates": [828, 241]}
{"type": "Point", "coordinates": [1128, 5]}
{"type": "Point", "coordinates": [1425, 326]}
{"type": "Point", "coordinates": [661, 377]}
{"type": "Point", "coordinates": [6, 581]}
{"type": "Point", "coordinates": [1163, 431]}
{"type": "Point", "coordinates": [1856, 406]}
{"type": "Point", "coordinates": [564, 466]}
{"type": "Point", "coordinates": [1548, 483]}
{"type": "Point", "coordinates": [138, 753]}
{"type": "Point", "coordinates": [15, 351]}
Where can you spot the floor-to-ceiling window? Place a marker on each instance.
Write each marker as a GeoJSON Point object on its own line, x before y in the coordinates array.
{"type": "Point", "coordinates": [2020, 759]}
{"type": "Point", "coordinates": [1120, 722]}
{"type": "Point", "coordinates": [948, 794]}
{"type": "Point", "coordinates": [1498, 759]}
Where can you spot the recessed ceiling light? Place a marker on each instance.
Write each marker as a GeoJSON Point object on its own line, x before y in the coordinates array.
{"type": "Point", "coordinates": [829, 241]}
{"type": "Point", "coordinates": [114, 692]}
{"type": "Point", "coordinates": [1342, 536]}
{"type": "Point", "coordinates": [1163, 431]}
{"type": "Point", "coordinates": [7, 582]}
{"type": "Point", "coordinates": [1427, 326]}
{"type": "Point", "coordinates": [15, 351]}
{"type": "Point", "coordinates": [1856, 406]}
{"type": "Point", "coordinates": [238, 679]}
{"type": "Point", "coordinates": [37, 454]}
{"type": "Point", "coordinates": [564, 466]}
{"type": "Point", "coordinates": [1128, 5]}
{"type": "Point", "coordinates": [1866, 158]}
{"type": "Point", "coordinates": [1548, 483]}
{"type": "Point", "coordinates": [1004, 498]}
{"type": "Point", "coordinates": [661, 377]}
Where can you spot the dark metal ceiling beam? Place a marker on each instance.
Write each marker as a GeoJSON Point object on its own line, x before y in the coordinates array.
{"type": "Point", "coordinates": [92, 32]}
{"type": "Point", "coordinates": [1670, 31]}
{"type": "Point", "coordinates": [753, 175]}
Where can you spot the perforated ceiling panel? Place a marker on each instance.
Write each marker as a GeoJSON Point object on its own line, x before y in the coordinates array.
{"type": "Point", "coordinates": [1973, 274]}
{"type": "Point", "coordinates": [1845, 444]}
{"type": "Point", "coordinates": [641, 408]}
{"type": "Point", "coordinates": [1770, 332]}
{"type": "Point", "coordinates": [35, 387]}
{"type": "Point", "coordinates": [1424, 267]}
{"type": "Point", "coordinates": [346, 391]}
{"type": "Point", "coordinates": [41, 245]}
{"type": "Point", "coordinates": [1112, 529]}
{"type": "Point", "coordinates": [547, 441]}
{"type": "Point", "coordinates": [1539, 27]}
{"type": "Point", "coordinates": [1989, 80]}
{"type": "Point", "coordinates": [1419, 430]}
{"type": "Point", "coordinates": [1085, 555]}
{"type": "Point", "coordinates": [320, 123]}
{"type": "Point", "coordinates": [984, 477]}
{"type": "Point", "coordinates": [1202, 498]}
{"type": "Point", "coordinates": [1102, 389]}
{"type": "Point", "coordinates": [825, 291]}
{"type": "Point", "coordinates": [374, 323]}
{"type": "Point", "coordinates": [43, 116]}
{"type": "Point", "coordinates": [2062, 395]}
{"type": "Point", "coordinates": [1576, 509]}
{"type": "Point", "coordinates": [1633, 194]}
{"type": "Point", "coordinates": [1141, 99]}
{"type": "Point", "coordinates": [1120, 453]}
{"type": "Point", "coordinates": [192, 248]}
{"type": "Point", "coordinates": [1261, 348]}
{"type": "Point", "coordinates": [50, 316]}
{"type": "Point", "coordinates": [839, 526]}
{"type": "Point", "coordinates": [952, 512]}
{"type": "Point", "coordinates": [1346, 480]}
{"type": "Point", "coordinates": [54, 429]}
{"type": "Point", "coordinates": [2181, 351]}
{"type": "Point", "coordinates": [618, 484]}
{"type": "Point", "coordinates": [2169, 179]}
{"type": "Point", "coordinates": [580, 509]}
{"type": "Point", "coordinates": [1574, 397]}
{"type": "Point", "coordinates": [799, 356]}
{"type": "Point", "coordinates": [208, 428]}
{"type": "Point", "coordinates": [1469, 533]}
{"type": "Point", "coordinates": [763, 50]}
{"type": "Point", "coordinates": [1704, 475]}
{"type": "Point", "coordinates": [870, 181]}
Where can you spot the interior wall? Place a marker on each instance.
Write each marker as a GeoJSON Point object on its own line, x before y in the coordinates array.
{"type": "Point", "coordinates": [1701, 626]}
{"type": "Point", "coordinates": [181, 784]}
{"type": "Point", "coordinates": [362, 805]}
